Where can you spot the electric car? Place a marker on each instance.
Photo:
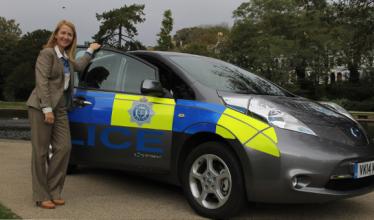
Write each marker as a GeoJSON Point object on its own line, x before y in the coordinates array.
{"type": "Point", "coordinates": [225, 135]}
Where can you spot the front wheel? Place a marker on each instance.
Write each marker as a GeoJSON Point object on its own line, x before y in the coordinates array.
{"type": "Point", "coordinates": [212, 181]}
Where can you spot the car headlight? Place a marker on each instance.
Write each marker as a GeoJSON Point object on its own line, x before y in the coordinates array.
{"type": "Point", "coordinates": [239, 104]}
{"type": "Point", "coordinates": [338, 108]}
{"type": "Point", "coordinates": [268, 112]}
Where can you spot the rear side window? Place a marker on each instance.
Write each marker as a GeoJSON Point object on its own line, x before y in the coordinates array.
{"type": "Point", "coordinates": [104, 72]}
{"type": "Point", "coordinates": [112, 71]}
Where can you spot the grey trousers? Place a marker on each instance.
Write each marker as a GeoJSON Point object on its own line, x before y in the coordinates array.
{"type": "Point", "coordinates": [48, 174]}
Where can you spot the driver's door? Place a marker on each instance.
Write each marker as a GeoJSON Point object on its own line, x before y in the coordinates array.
{"type": "Point", "coordinates": [113, 123]}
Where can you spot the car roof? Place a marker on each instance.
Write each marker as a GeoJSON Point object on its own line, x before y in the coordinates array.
{"type": "Point", "coordinates": [161, 53]}
{"type": "Point", "coordinates": [148, 52]}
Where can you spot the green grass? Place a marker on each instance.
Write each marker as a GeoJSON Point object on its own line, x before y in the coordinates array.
{"type": "Point", "coordinates": [12, 105]}
{"type": "Point", "coordinates": [370, 130]}
{"type": "Point", "coordinates": [7, 213]}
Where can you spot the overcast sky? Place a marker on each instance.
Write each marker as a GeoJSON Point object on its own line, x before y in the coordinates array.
{"type": "Point", "coordinates": [44, 14]}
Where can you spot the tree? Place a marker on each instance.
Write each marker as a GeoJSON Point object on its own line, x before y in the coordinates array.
{"type": "Point", "coordinates": [164, 40]}
{"type": "Point", "coordinates": [315, 44]}
{"type": "Point", "coordinates": [202, 40]}
{"type": "Point", "coordinates": [25, 54]}
{"type": "Point", "coordinates": [263, 38]}
{"type": "Point", "coordinates": [9, 35]}
{"type": "Point", "coordinates": [117, 27]}
{"type": "Point", "coordinates": [20, 82]}
{"type": "Point", "coordinates": [355, 32]}
{"type": "Point", "coordinates": [282, 40]}
{"type": "Point", "coordinates": [30, 44]}
{"type": "Point", "coordinates": [303, 41]}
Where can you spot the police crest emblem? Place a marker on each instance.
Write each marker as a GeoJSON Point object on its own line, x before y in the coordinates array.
{"type": "Point", "coordinates": [141, 112]}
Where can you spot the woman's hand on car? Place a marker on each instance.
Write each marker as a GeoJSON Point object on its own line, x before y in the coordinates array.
{"type": "Point", "coordinates": [94, 46]}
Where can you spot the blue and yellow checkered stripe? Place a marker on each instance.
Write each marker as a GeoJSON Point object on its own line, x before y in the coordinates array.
{"type": "Point", "coordinates": [228, 123]}
{"type": "Point", "coordinates": [188, 117]}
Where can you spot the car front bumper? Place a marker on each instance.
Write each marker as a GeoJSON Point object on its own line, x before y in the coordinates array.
{"type": "Point", "coordinates": [309, 170]}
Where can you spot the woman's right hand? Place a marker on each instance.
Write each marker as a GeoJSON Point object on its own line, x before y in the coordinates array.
{"type": "Point", "coordinates": [49, 118]}
{"type": "Point", "coordinates": [94, 46]}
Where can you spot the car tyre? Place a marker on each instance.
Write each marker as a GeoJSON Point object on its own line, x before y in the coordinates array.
{"type": "Point", "coordinates": [212, 181]}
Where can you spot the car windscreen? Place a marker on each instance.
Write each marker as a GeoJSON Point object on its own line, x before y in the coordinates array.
{"type": "Point", "coordinates": [223, 76]}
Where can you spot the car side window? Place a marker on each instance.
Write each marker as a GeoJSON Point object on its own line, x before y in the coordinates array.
{"type": "Point", "coordinates": [105, 72]}
{"type": "Point", "coordinates": [134, 73]}
{"type": "Point", "coordinates": [180, 88]}
{"type": "Point", "coordinates": [176, 86]}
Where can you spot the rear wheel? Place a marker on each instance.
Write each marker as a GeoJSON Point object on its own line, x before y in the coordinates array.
{"type": "Point", "coordinates": [212, 181]}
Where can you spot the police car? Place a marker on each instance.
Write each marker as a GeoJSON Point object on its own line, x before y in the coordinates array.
{"type": "Point", "coordinates": [225, 135]}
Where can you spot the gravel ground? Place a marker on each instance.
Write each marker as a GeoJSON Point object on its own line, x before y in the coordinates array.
{"type": "Point", "coordinates": [90, 193]}
{"type": "Point", "coordinates": [107, 194]}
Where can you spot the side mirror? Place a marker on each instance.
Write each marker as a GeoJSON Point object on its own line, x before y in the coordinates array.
{"type": "Point", "coordinates": [152, 87]}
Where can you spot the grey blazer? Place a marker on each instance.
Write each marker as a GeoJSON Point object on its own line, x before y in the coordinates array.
{"type": "Point", "coordinates": [49, 79]}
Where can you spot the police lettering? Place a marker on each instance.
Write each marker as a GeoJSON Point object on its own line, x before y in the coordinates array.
{"type": "Point", "coordinates": [145, 140]}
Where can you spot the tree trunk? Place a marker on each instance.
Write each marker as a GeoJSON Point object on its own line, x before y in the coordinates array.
{"type": "Point", "coordinates": [306, 88]}
{"type": "Point", "coordinates": [300, 70]}
{"type": "Point", "coordinates": [300, 73]}
{"type": "Point", "coordinates": [120, 37]}
{"type": "Point", "coordinates": [354, 75]}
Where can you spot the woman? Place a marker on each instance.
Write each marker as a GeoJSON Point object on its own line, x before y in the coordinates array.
{"type": "Point", "coordinates": [48, 105]}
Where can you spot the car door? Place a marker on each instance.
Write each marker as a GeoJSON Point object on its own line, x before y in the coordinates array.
{"type": "Point", "coordinates": [113, 123]}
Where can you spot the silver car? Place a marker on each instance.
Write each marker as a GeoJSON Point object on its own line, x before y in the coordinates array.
{"type": "Point", "coordinates": [225, 135]}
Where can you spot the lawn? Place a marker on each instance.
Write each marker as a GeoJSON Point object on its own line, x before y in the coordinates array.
{"type": "Point", "coordinates": [370, 130]}
{"type": "Point", "coordinates": [12, 105]}
{"type": "Point", "coordinates": [7, 213]}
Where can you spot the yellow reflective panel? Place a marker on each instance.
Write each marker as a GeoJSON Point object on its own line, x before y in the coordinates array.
{"type": "Point", "coordinates": [270, 132]}
{"type": "Point", "coordinates": [128, 112]}
{"type": "Point", "coordinates": [259, 125]}
{"type": "Point", "coordinates": [240, 129]}
{"type": "Point", "coordinates": [263, 144]}
{"type": "Point", "coordinates": [223, 132]}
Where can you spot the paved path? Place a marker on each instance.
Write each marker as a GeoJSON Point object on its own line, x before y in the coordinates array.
{"type": "Point", "coordinates": [103, 194]}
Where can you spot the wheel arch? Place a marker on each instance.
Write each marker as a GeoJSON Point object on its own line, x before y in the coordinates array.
{"type": "Point", "coordinates": [234, 146]}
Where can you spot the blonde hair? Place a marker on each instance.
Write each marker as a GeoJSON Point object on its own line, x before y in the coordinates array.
{"type": "Point", "coordinates": [70, 50]}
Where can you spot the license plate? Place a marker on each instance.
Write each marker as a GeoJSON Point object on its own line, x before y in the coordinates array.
{"type": "Point", "coordinates": [364, 169]}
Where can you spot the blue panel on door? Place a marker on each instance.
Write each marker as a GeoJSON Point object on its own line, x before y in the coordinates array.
{"type": "Point", "coordinates": [188, 113]}
{"type": "Point", "coordinates": [100, 112]}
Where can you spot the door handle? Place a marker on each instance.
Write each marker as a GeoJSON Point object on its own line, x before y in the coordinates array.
{"type": "Point", "coordinates": [81, 102]}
